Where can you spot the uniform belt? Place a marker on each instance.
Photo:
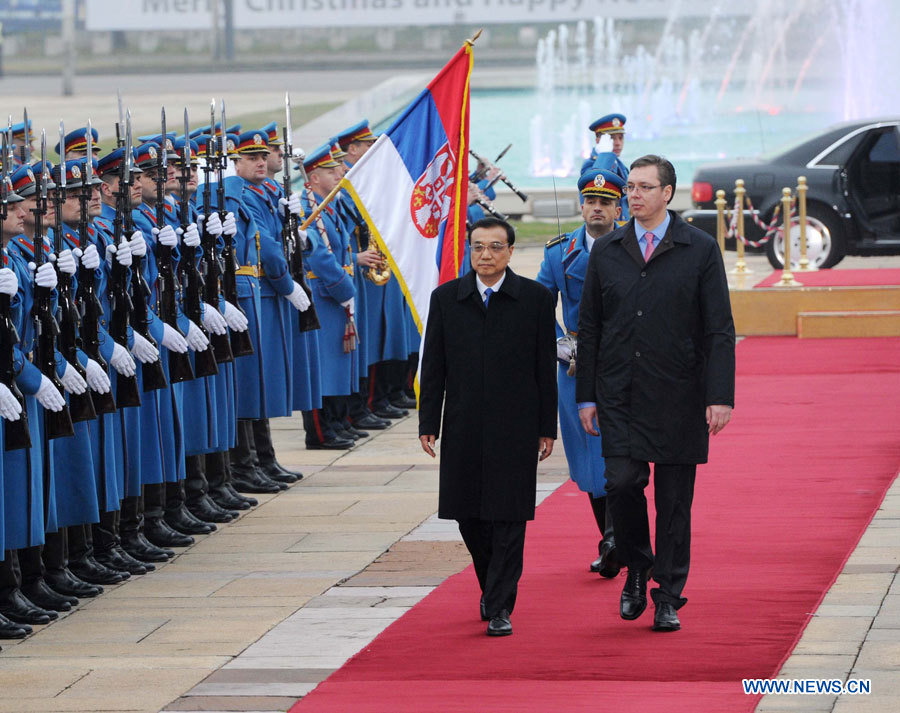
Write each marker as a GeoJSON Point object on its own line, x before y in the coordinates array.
{"type": "Point", "coordinates": [249, 270]}
{"type": "Point", "coordinates": [310, 275]}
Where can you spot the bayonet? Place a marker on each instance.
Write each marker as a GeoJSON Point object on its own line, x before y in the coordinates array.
{"type": "Point", "coordinates": [223, 143]}
{"type": "Point", "coordinates": [165, 138]}
{"type": "Point", "coordinates": [129, 153]}
{"type": "Point", "coordinates": [62, 160]}
{"type": "Point", "coordinates": [186, 149]}
{"type": "Point", "coordinates": [26, 145]}
{"type": "Point", "coordinates": [43, 175]}
{"type": "Point", "coordinates": [89, 163]}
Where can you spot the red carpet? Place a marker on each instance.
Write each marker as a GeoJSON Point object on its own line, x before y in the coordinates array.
{"type": "Point", "coordinates": [839, 278]}
{"type": "Point", "coordinates": [791, 486]}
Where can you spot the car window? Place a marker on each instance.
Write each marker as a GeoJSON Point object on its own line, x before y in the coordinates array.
{"type": "Point", "coordinates": [886, 149]}
{"type": "Point", "coordinates": [842, 153]}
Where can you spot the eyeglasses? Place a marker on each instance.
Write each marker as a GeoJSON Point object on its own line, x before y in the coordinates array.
{"type": "Point", "coordinates": [495, 248]}
{"type": "Point", "coordinates": [642, 188]}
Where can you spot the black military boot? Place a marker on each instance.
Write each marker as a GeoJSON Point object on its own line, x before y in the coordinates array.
{"type": "Point", "coordinates": [131, 531]}
{"type": "Point", "coordinates": [17, 606]}
{"type": "Point", "coordinates": [53, 557]}
{"type": "Point", "coordinates": [108, 547]}
{"type": "Point", "coordinates": [218, 478]}
{"type": "Point", "coordinates": [265, 454]}
{"type": "Point", "coordinates": [60, 577]}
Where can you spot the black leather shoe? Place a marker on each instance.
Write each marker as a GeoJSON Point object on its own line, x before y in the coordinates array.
{"type": "Point", "coordinates": [500, 625]}
{"type": "Point", "coordinates": [335, 444]}
{"type": "Point", "coordinates": [665, 618]}
{"type": "Point", "coordinates": [223, 497]}
{"type": "Point", "coordinates": [634, 595]}
{"type": "Point", "coordinates": [11, 630]}
{"type": "Point", "coordinates": [19, 609]}
{"type": "Point", "coordinates": [90, 570]}
{"type": "Point", "coordinates": [181, 520]}
{"type": "Point", "coordinates": [253, 502]}
{"type": "Point", "coordinates": [143, 550]}
{"type": "Point", "coordinates": [346, 435]}
{"type": "Point", "coordinates": [403, 402]}
{"type": "Point", "coordinates": [275, 468]}
{"type": "Point", "coordinates": [206, 510]}
{"type": "Point", "coordinates": [389, 411]}
{"type": "Point", "coordinates": [484, 616]}
{"type": "Point", "coordinates": [254, 486]}
{"type": "Point", "coordinates": [162, 534]}
{"type": "Point", "coordinates": [43, 596]}
{"type": "Point", "coordinates": [356, 432]}
{"type": "Point", "coordinates": [608, 564]}
{"type": "Point", "coordinates": [64, 582]}
{"type": "Point", "coordinates": [285, 478]}
{"type": "Point", "coordinates": [117, 558]}
{"type": "Point", "coordinates": [371, 422]}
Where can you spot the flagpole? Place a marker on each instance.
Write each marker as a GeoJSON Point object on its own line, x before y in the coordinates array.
{"type": "Point", "coordinates": [475, 37]}
{"type": "Point", "coordinates": [318, 209]}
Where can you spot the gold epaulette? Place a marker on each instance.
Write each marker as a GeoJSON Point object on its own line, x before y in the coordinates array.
{"type": "Point", "coordinates": [556, 241]}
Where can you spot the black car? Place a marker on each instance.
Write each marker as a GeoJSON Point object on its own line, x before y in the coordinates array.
{"type": "Point", "coordinates": [853, 202]}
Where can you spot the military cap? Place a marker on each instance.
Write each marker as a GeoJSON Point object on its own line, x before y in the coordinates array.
{"type": "Point", "coordinates": [18, 130]}
{"type": "Point", "coordinates": [156, 138]}
{"type": "Point", "coordinates": [36, 169]}
{"type": "Point", "coordinates": [178, 149]}
{"type": "Point", "coordinates": [111, 163]}
{"type": "Point", "coordinates": [231, 143]}
{"type": "Point", "coordinates": [337, 153]}
{"type": "Point", "coordinates": [23, 182]}
{"type": "Point", "coordinates": [146, 155]}
{"type": "Point", "coordinates": [77, 141]}
{"type": "Point", "coordinates": [233, 129]}
{"type": "Point", "coordinates": [357, 132]}
{"type": "Point", "coordinates": [598, 182]}
{"type": "Point", "coordinates": [320, 158]}
{"type": "Point", "coordinates": [609, 124]}
{"type": "Point", "coordinates": [6, 190]}
{"type": "Point", "coordinates": [206, 130]}
{"type": "Point", "coordinates": [252, 142]}
{"type": "Point", "coordinates": [74, 173]}
{"type": "Point", "coordinates": [274, 137]}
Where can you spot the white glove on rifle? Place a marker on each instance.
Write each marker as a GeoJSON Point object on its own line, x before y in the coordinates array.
{"type": "Point", "coordinates": [292, 204]}
{"type": "Point", "coordinates": [97, 378]}
{"type": "Point", "coordinates": [350, 304]}
{"type": "Point", "coordinates": [213, 321]}
{"type": "Point", "coordinates": [45, 275]}
{"type": "Point", "coordinates": [48, 395]}
{"type": "Point", "coordinates": [196, 339]}
{"type": "Point", "coordinates": [213, 224]}
{"type": "Point", "coordinates": [65, 262]}
{"type": "Point", "coordinates": [229, 225]}
{"type": "Point", "coordinates": [10, 408]}
{"type": "Point", "coordinates": [236, 319]}
{"type": "Point", "coordinates": [9, 283]}
{"type": "Point", "coordinates": [137, 244]}
{"type": "Point", "coordinates": [121, 360]}
{"type": "Point", "coordinates": [190, 236]}
{"type": "Point", "coordinates": [72, 381]}
{"type": "Point", "coordinates": [304, 239]}
{"type": "Point", "coordinates": [143, 350]}
{"type": "Point", "coordinates": [173, 341]}
{"type": "Point", "coordinates": [298, 298]}
{"type": "Point", "coordinates": [165, 236]}
{"type": "Point", "coordinates": [122, 254]}
{"type": "Point", "coordinates": [563, 351]}
{"type": "Point", "coordinates": [90, 258]}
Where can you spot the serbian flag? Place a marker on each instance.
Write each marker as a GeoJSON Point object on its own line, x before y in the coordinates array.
{"type": "Point", "coordinates": [411, 186]}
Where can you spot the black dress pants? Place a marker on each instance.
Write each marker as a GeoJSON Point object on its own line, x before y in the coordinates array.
{"type": "Point", "coordinates": [497, 549]}
{"type": "Point", "coordinates": [673, 487]}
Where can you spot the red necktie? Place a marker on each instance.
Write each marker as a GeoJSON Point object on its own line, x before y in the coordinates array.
{"type": "Point", "coordinates": [648, 251]}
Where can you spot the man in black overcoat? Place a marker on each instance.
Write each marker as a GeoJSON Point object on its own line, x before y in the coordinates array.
{"type": "Point", "coordinates": [489, 361]}
{"type": "Point", "coordinates": [655, 370]}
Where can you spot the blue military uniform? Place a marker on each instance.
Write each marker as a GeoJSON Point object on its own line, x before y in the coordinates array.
{"type": "Point", "coordinates": [607, 160]}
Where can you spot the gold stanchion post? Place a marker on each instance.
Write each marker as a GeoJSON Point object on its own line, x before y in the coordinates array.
{"type": "Point", "coordinates": [787, 277]}
{"type": "Point", "coordinates": [803, 264]}
{"type": "Point", "coordinates": [740, 266]}
{"type": "Point", "coordinates": [720, 219]}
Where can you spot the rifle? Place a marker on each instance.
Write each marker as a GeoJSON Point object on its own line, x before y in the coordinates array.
{"type": "Point", "coordinates": [212, 263]}
{"type": "Point", "coordinates": [481, 173]}
{"type": "Point", "coordinates": [290, 240]}
{"type": "Point", "coordinates": [241, 344]}
{"type": "Point", "coordinates": [205, 361]}
{"type": "Point", "coordinates": [86, 299]}
{"type": "Point", "coordinates": [153, 374]}
{"type": "Point", "coordinates": [17, 435]}
{"type": "Point", "coordinates": [58, 424]}
{"type": "Point", "coordinates": [180, 368]}
{"type": "Point", "coordinates": [81, 406]}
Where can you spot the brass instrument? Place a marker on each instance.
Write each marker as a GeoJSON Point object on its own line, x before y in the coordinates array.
{"type": "Point", "coordinates": [381, 274]}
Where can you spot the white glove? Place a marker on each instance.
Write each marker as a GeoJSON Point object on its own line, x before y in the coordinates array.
{"type": "Point", "coordinates": [10, 408]}
{"type": "Point", "coordinates": [65, 261]}
{"type": "Point", "coordinates": [90, 259]}
{"type": "Point", "coordinates": [229, 225]}
{"type": "Point", "coordinates": [190, 236]}
{"type": "Point", "coordinates": [9, 284]}
{"type": "Point", "coordinates": [213, 225]}
{"type": "Point", "coordinates": [72, 381]}
{"type": "Point", "coordinates": [143, 350]}
{"type": "Point", "coordinates": [350, 304]}
{"type": "Point", "coordinates": [137, 244]}
{"type": "Point", "coordinates": [213, 321]}
{"type": "Point", "coordinates": [563, 351]}
{"type": "Point", "coordinates": [48, 395]}
{"type": "Point", "coordinates": [121, 360]}
{"type": "Point", "coordinates": [298, 298]}
{"type": "Point", "coordinates": [166, 236]}
{"type": "Point", "coordinates": [44, 276]}
{"type": "Point", "coordinates": [97, 379]}
{"type": "Point", "coordinates": [235, 318]}
{"type": "Point", "coordinates": [173, 341]}
{"type": "Point", "coordinates": [304, 240]}
{"type": "Point", "coordinates": [293, 205]}
{"type": "Point", "coordinates": [196, 339]}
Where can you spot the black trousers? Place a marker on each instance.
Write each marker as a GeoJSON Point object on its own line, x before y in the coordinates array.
{"type": "Point", "coordinates": [673, 487]}
{"type": "Point", "coordinates": [497, 549]}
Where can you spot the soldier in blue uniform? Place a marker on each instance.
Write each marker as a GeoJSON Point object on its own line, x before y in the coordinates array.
{"type": "Point", "coordinates": [610, 134]}
{"type": "Point", "coordinates": [329, 263]}
{"type": "Point", "coordinates": [75, 144]}
{"type": "Point", "coordinates": [562, 272]}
